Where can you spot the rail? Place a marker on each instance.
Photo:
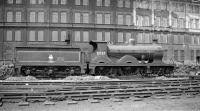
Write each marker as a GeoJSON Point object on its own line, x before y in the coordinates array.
{"type": "Point", "coordinates": [17, 91]}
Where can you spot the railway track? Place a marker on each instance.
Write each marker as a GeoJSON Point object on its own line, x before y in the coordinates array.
{"type": "Point", "coordinates": [32, 91]}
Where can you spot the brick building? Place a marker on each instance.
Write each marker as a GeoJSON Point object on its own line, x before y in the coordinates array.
{"type": "Point", "coordinates": [175, 23]}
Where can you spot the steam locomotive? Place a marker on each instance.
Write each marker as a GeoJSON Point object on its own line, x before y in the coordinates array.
{"type": "Point", "coordinates": [105, 59]}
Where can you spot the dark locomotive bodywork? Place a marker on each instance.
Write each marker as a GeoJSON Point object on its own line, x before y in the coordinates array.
{"type": "Point", "coordinates": [131, 59]}
{"type": "Point", "coordinates": [48, 61]}
{"type": "Point", "coordinates": [109, 59]}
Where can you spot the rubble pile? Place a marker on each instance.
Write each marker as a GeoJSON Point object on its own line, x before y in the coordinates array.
{"type": "Point", "coordinates": [186, 70]}
{"type": "Point", "coordinates": [85, 78]}
{"type": "Point", "coordinates": [6, 71]}
{"type": "Point", "coordinates": [26, 78]}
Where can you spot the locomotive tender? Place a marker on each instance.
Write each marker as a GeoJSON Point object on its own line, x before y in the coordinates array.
{"type": "Point", "coordinates": [108, 59]}
{"type": "Point", "coordinates": [48, 61]}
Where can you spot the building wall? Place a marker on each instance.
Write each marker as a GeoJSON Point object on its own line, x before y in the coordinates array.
{"type": "Point", "coordinates": [175, 23]}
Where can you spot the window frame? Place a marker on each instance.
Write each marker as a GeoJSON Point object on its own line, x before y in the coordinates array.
{"type": "Point", "coordinates": [32, 33]}
{"type": "Point", "coordinates": [54, 36]}
{"type": "Point", "coordinates": [32, 18]}
{"type": "Point", "coordinates": [9, 34]}
{"type": "Point", "coordinates": [18, 33]}
{"type": "Point", "coordinates": [9, 16]}
{"type": "Point", "coordinates": [39, 36]}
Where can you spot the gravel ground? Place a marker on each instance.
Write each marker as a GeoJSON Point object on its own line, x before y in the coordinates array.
{"type": "Point", "coordinates": [149, 104]}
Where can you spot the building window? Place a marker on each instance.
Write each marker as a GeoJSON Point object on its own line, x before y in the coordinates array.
{"type": "Point", "coordinates": [163, 5]}
{"type": "Point", "coordinates": [54, 36]}
{"type": "Point", "coordinates": [55, 17]}
{"type": "Point", "coordinates": [146, 21]}
{"type": "Point", "coordinates": [157, 21]}
{"type": "Point", "coordinates": [85, 36]}
{"type": "Point", "coordinates": [191, 23]}
{"type": "Point", "coordinates": [120, 37]}
{"type": "Point", "coordinates": [40, 16]}
{"type": "Point", "coordinates": [176, 55]}
{"type": "Point", "coordinates": [107, 18]}
{"type": "Point", "coordinates": [99, 18]}
{"type": "Point", "coordinates": [164, 22]}
{"type": "Point", "coordinates": [120, 3]}
{"type": "Point", "coordinates": [9, 36]}
{"type": "Point", "coordinates": [18, 35]}
{"type": "Point", "coordinates": [139, 20]}
{"type": "Point", "coordinates": [99, 36]}
{"type": "Point", "coordinates": [9, 16]}
{"type": "Point", "coordinates": [192, 39]}
{"type": "Point", "coordinates": [189, 8]}
{"type": "Point", "coordinates": [128, 19]}
{"type": "Point", "coordinates": [18, 1]}
{"type": "Point", "coordinates": [10, 1]}
{"type": "Point", "coordinates": [32, 1]}
{"type": "Point", "coordinates": [181, 39]}
{"type": "Point", "coordinates": [85, 18]}
{"type": "Point", "coordinates": [120, 19]}
{"type": "Point", "coordinates": [18, 16]}
{"type": "Point", "coordinates": [180, 7]}
{"type": "Point", "coordinates": [196, 40]}
{"type": "Point", "coordinates": [176, 41]}
{"type": "Point", "coordinates": [181, 23]}
{"type": "Point", "coordinates": [128, 36]}
{"type": "Point", "coordinates": [174, 22]}
{"type": "Point", "coordinates": [182, 55]}
{"type": "Point", "coordinates": [63, 35]}
{"type": "Point", "coordinates": [85, 2]}
{"type": "Point", "coordinates": [32, 16]}
{"type": "Point", "coordinates": [81, 17]}
{"type": "Point", "coordinates": [107, 3]}
{"type": "Point", "coordinates": [77, 36]}
{"type": "Point", "coordinates": [192, 55]}
{"type": "Point", "coordinates": [157, 37]}
{"type": "Point", "coordinates": [146, 38]}
{"type": "Point", "coordinates": [55, 2]}
{"type": "Point", "coordinates": [165, 55]}
{"type": "Point", "coordinates": [107, 36]}
{"type": "Point", "coordinates": [196, 9]}
{"type": "Point", "coordinates": [196, 23]}
{"type": "Point", "coordinates": [63, 17]}
{"type": "Point", "coordinates": [127, 3]}
{"type": "Point", "coordinates": [139, 38]}
{"type": "Point", "coordinates": [157, 5]}
{"type": "Point", "coordinates": [77, 18]}
{"type": "Point", "coordinates": [99, 3]}
{"type": "Point", "coordinates": [145, 4]}
{"type": "Point", "coordinates": [163, 38]}
{"type": "Point", "coordinates": [81, 2]}
{"type": "Point", "coordinates": [32, 36]}
{"type": "Point", "coordinates": [63, 2]}
{"type": "Point", "coordinates": [40, 35]}
{"type": "Point", "coordinates": [40, 1]}
{"type": "Point", "coordinates": [123, 3]}
{"type": "Point", "coordinates": [78, 2]}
